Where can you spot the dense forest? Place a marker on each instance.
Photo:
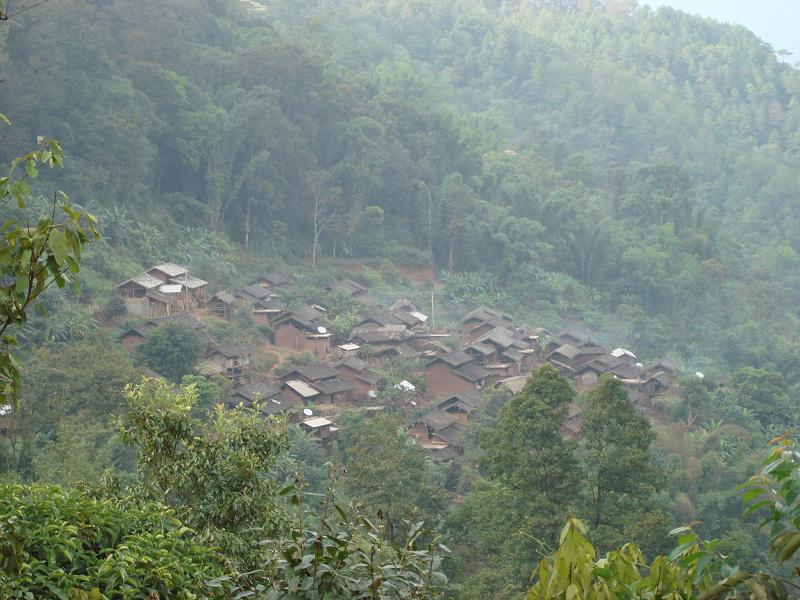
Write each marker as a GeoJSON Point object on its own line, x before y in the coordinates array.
{"type": "Point", "coordinates": [575, 162]}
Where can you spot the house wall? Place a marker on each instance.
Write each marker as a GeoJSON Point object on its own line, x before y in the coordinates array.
{"type": "Point", "coordinates": [419, 432]}
{"type": "Point", "coordinates": [587, 379]}
{"type": "Point", "coordinates": [441, 381]}
{"type": "Point", "coordinates": [130, 341]}
{"type": "Point", "coordinates": [472, 331]}
{"type": "Point", "coordinates": [158, 309]}
{"type": "Point", "coordinates": [138, 306]}
{"type": "Point", "coordinates": [527, 364]}
{"type": "Point", "coordinates": [291, 397]}
{"type": "Point", "coordinates": [289, 336]}
{"type": "Point", "coordinates": [317, 346]}
{"type": "Point", "coordinates": [360, 389]}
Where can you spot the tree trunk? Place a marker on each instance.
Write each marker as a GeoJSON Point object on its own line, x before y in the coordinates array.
{"type": "Point", "coordinates": [247, 225]}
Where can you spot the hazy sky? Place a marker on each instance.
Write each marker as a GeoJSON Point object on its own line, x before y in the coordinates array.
{"type": "Point", "coordinates": [777, 22]}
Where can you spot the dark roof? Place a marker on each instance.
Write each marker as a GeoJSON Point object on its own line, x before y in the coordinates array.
{"type": "Point", "coordinates": [348, 286]}
{"type": "Point", "coordinates": [223, 296]}
{"type": "Point", "coordinates": [482, 349]}
{"type": "Point", "coordinates": [460, 401]}
{"type": "Point", "coordinates": [276, 279]}
{"type": "Point", "coordinates": [272, 303]}
{"type": "Point", "coordinates": [513, 355]}
{"type": "Point", "coordinates": [454, 434]}
{"type": "Point", "coordinates": [454, 358]}
{"type": "Point", "coordinates": [332, 386]}
{"type": "Point", "coordinates": [140, 331]}
{"type": "Point", "coordinates": [354, 364]}
{"type": "Point", "coordinates": [437, 420]}
{"type": "Point", "coordinates": [308, 317]}
{"type": "Point", "coordinates": [312, 373]}
{"type": "Point", "coordinates": [380, 319]}
{"type": "Point", "coordinates": [664, 365]}
{"type": "Point", "coordinates": [601, 364]}
{"type": "Point", "coordinates": [256, 291]}
{"type": "Point", "coordinates": [486, 315]}
{"type": "Point", "coordinates": [567, 351]}
{"type": "Point", "coordinates": [370, 377]}
{"type": "Point", "coordinates": [499, 336]}
{"type": "Point", "coordinates": [253, 391]}
{"type": "Point", "coordinates": [159, 297]}
{"type": "Point", "coordinates": [627, 370]}
{"type": "Point", "coordinates": [471, 372]}
{"type": "Point", "coordinates": [406, 318]}
{"type": "Point", "coordinates": [571, 336]}
{"type": "Point", "coordinates": [231, 350]}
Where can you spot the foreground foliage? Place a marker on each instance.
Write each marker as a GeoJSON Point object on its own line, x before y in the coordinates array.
{"type": "Point", "coordinates": [695, 570]}
{"type": "Point", "coordinates": [57, 543]}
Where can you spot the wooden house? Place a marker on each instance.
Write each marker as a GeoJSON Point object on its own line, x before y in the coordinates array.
{"type": "Point", "coordinates": [134, 292]}
{"type": "Point", "coordinates": [166, 271]}
{"type": "Point", "coordinates": [348, 287]}
{"type": "Point", "coordinates": [266, 396]}
{"type": "Point", "coordinates": [222, 302]}
{"type": "Point", "coordinates": [460, 405]}
{"type": "Point", "coordinates": [274, 281]}
{"type": "Point", "coordinates": [303, 329]}
{"type": "Point", "coordinates": [482, 320]}
{"type": "Point", "coordinates": [265, 311]}
{"type": "Point", "coordinates": [325, 379]}
{"type": "Point", "coordinates": [453, 373]}
{"type": "Point", "coordinates": [572, 336]}
{"type": "Point", "coordinates": [320, 428]}
{"type": "Point", "coordinates": [357, 372]}
{"type": "Point", "coordinates": [299, 392]}
{"type": "Point", "coordinates": [194, 288]}
{"type": "Point", "coordinates": [232, 361]}
{"type": "Point", "coordinates": [255, 292]}
{"type": "Point", "coordinates": [440, 433]}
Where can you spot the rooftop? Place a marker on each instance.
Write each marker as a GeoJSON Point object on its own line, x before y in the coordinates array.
{"type": "Point", "coordinates": [471, 372]}
{"type": "Point", "coordinates": [170, 269]}
{"type": "Point", "coordinates": [256, 391]}
{"type": "Point", "coordinates": [144, 280]}
{"type": "Point", "coordinates": [302, 388]}
{"type": "Point", "coordinates": [224, 296]}
{"type": "Point", "coordinates": [312, 373]}
{"type": "Point", "coordinates": [190, 281]}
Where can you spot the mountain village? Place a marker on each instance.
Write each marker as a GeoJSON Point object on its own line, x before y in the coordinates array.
{"type": "Point", "coordinates": [450, 369]}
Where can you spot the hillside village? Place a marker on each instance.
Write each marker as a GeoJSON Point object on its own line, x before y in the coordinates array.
{"type": "Point", "coordinates": [447, 370]}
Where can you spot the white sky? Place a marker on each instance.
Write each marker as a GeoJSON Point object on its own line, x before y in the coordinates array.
{"type": "Point", "coordinates": [777, 22]}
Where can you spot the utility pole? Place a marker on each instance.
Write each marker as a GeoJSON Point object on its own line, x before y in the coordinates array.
{"type": "Point", "coordinates": [433, 313]}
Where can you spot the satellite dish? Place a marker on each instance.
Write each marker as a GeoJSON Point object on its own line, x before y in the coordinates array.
{"type": "Point", "coordinates": [308, 412]}
{"type": "Point", "coordinates": [321, 329]}
{"type": "Point", "coordinates": [639, 365]}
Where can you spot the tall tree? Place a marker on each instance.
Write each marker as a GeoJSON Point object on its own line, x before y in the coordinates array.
{"type": "Point", "coordinates": [615, 442]}
{"type": "Point", "coordinates": [526, 450]}
{"type": "Point", "coordinates": [389, 473]}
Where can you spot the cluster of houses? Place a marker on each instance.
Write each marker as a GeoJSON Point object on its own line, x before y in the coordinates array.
{"type": "Point", "coordinates": [489, 349]}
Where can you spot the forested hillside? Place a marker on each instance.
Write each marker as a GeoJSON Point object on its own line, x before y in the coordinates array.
{"type": "Point", "coordinates": [383, 168]}
{"type": "Point", "coordinates": [628, 168]}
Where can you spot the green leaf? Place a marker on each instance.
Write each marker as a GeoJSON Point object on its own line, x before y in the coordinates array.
{"type": "Point", "coordinates": [58, 244]}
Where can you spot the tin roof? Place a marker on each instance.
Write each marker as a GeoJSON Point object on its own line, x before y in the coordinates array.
{"type": "Point", "coordinates": [302, 388]}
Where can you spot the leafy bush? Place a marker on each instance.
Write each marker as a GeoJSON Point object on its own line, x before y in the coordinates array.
{"type": "Point", "coordinates": [171, 350]}
{"type": "Point", "coordinates": [56, 544]}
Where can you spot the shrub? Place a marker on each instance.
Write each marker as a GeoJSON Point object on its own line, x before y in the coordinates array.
{"type": "Point", "coordinates": [63, 544]}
